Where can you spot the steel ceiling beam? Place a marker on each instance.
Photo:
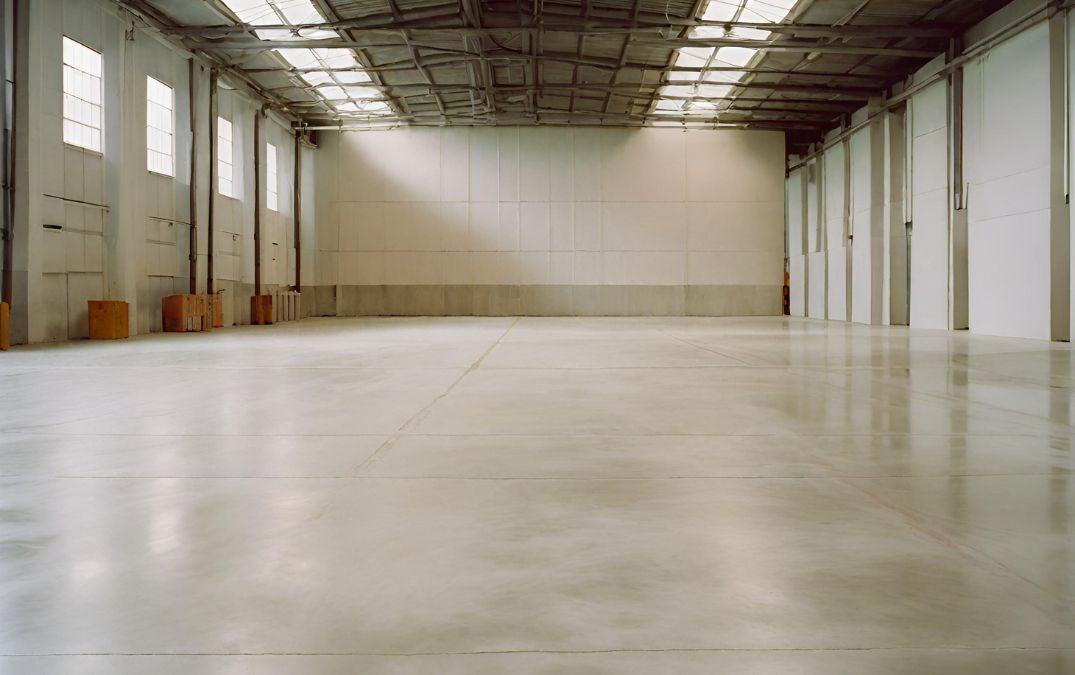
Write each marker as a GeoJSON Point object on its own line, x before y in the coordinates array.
{"type": "Point", "coordinates": [160, 22]}
{"type": "Point", "coordinates": [473, 41]}
{"type": "Point", "coordinates": [360, 56]}
{"type": "Point", "coordinates": [636, 7]}
{"type": "Point", "coordinates": [253, 43]}
{"type": "Point", "coordinates": [564, 23]}
{"type": "Point", "coordinates": [862, 93]}
{"type": "Point", "coordinates": [606, 64]}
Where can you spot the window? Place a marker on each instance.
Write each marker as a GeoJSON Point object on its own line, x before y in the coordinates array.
{"type": "Point", "coordinates": [271, 197]}
{"type": "Point", "coordinates": [224, 158]}
{"type": "Point", "coordinates": [81, 95]}
{"type": "Point", "coordinates": [159, 127]}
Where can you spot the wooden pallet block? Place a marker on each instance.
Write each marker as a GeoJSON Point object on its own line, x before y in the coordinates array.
{"type": "Point", "coordinates": [261, 310]}
{"type": "Point", "coordinates": [185, 313]}
{"type": "Point", "coordinates": [216, 308]}
{"type": "Point", "coordinates": [108, 320]}
{"type": "Point", "coordinates": [5, 327]}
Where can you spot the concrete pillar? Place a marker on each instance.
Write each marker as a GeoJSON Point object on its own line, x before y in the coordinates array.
{"type": "Point", "coordinates": [27, 325]}
{"type": "Point", "coordinates": [124, 165]}
{"type": "Point", "coordinates": [958, 317]}
{"type": "Point", "coordinates": [1059, 210]}
{"type": "Point", "coordinates": [894, 301]}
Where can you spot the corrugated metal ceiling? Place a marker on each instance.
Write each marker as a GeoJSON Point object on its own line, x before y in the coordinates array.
{"type": "Point", "coordinates": [594, 62]}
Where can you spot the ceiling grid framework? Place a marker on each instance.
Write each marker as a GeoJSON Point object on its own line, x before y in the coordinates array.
{"type": "Point", "coordinates": [800, 66]}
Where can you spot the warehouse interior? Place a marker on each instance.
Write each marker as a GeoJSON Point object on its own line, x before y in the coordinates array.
{"type": "Point", "coordinates": [542, 336]}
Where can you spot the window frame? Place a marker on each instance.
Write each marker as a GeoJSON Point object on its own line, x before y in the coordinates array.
{"type": "Point", "coordinates": [223, 122]}
{"type": "Point", "coordinates": [73, 100]}
{"type": "Point", "coordinates": [170, 132]}
{"type": "Point", "coordinates": [272, 185]}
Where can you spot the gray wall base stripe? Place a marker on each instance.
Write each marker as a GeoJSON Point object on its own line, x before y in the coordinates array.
{"type": "Point", "coordinates": [547, 300]}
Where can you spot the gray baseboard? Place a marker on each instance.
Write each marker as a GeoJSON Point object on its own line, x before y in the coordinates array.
{"type": "Point", "coordinates": [505, 300]}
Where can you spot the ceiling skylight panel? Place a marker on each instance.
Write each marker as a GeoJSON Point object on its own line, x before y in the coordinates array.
{"type": "Point", "coordinates": [364, 108]}
{"type": "Point", "coordinates": [336, 57]}
{"type": "Point", "coordinates": [331, 92]}
{"type": "Point", "coordinates": [702, 75]}
{"type": "Point", "coordinates": [685, 108]}
{"type": "Point", "coordinates": [256, 12]}
{"type": "Point", "coordinates": [714, 90]}
{"type": "Point", "coordinates": [667, 107]}
{"type": "Point", "coordinates": [333, 71]}
{"type": "Point", "coordinates": [683, 76]}
{"type": "Point", "coordinates": [748, 11]}
{"type": "Point", "coordinates": [352, 76]}
{"type": "Point", "coordinates": [317, 77]}
{"type": "Point", "coordinates": [299, 12]}
{"type": "Point", "coordinates": [712, 32]}
{"type": "Point", "coordinates": [735, 56]}
{"type": "Point", "coordinates": [693, 57]}
{"type": "Point", "coordinates": [770, 11]}
{"type": "Point", "coordinates": [721, 76]}
{"type": "Point", "coordinates": [680, 91]}
{"type": "Point", "coordinates": [280, 12]}
{"type": "Point", "coordinates": [362, 92]}
{"type": "Point", "coordinates": [721, 10]}
{"type": "Point", "coordinates": [298, 57]}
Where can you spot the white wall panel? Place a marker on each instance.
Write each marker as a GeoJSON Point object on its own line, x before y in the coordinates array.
{"type": "Point", "coordinates": [795, 223]}
{"type": "Point", "coordinates": [814, 234]}
{"type": "Point", "coordinates": [837, 289]}
{"type": "Point", "coordinates": [534, 154]}
{"type": "Point", "coordinates": [484, 181]}
{"type": "Point", "coordinates": [797, 272]}
{"type": "Point", "coordinates": [454, 160]}
{"type": "Point", "coordinates": [816, 268]}
{"type": "Point", "coordinates": [562, 206]}
{"type": "Point", "coordinates": [862, 175]}
{"type": "Point", "coordinates": [929, 186]}
{"type": "Point", "coordinates": [833, 182]}
{"type": "Point", "coordinates": [586, 156]}
{"type": "Point", "coordinates": [507, 163]}
{"type": "Point", "coordinates": [1007, 168]}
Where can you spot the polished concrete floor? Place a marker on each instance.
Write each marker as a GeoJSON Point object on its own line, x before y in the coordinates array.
{"type": "Point", "coordinates": [539, 495]}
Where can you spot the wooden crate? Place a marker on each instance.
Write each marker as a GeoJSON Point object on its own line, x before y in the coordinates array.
{"type": "Point", "coordinates": [108, 320]}
{"type": "Point", "coordinates": [185, 313]}
{"type": "Point", "coordinates": [216, 308]}
{"type": "Point", "coordinates": [260, 309]}
{"type": "Point", "coordinates": [5, 327]}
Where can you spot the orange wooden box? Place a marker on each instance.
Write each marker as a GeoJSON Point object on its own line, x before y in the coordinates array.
{"type": "Point", "coordinates": [260, 309]}
{"type": "Point", "coordinates": [185, 313]}
{"type": "Point", "coordinates": [108, 320]}
{"type": "Point", "coordinates": [216, 308]}
{"type": "Point", "coordinates": [5, 327]}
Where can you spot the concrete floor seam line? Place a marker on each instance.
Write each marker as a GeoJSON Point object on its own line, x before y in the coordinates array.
{"type": "Point", "coordinates": [1053, 608]}
{"type": "Point", "coordinates": [507, 652]}
{"type": "Point", "coordinates": [1050, 605]}
{"type": "Point", "coordinates": [418, 416]}
{"type": "Point", "coordinates": [691, 343]}
{"type": "Point", "coordinates": [1062, 473]}
{"type": "Point", "coordinates": [18, 431]}
{"type": "Point", "coordinates": [740, 364]}
{"type": "Point", "coordinates": [936, 396]}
